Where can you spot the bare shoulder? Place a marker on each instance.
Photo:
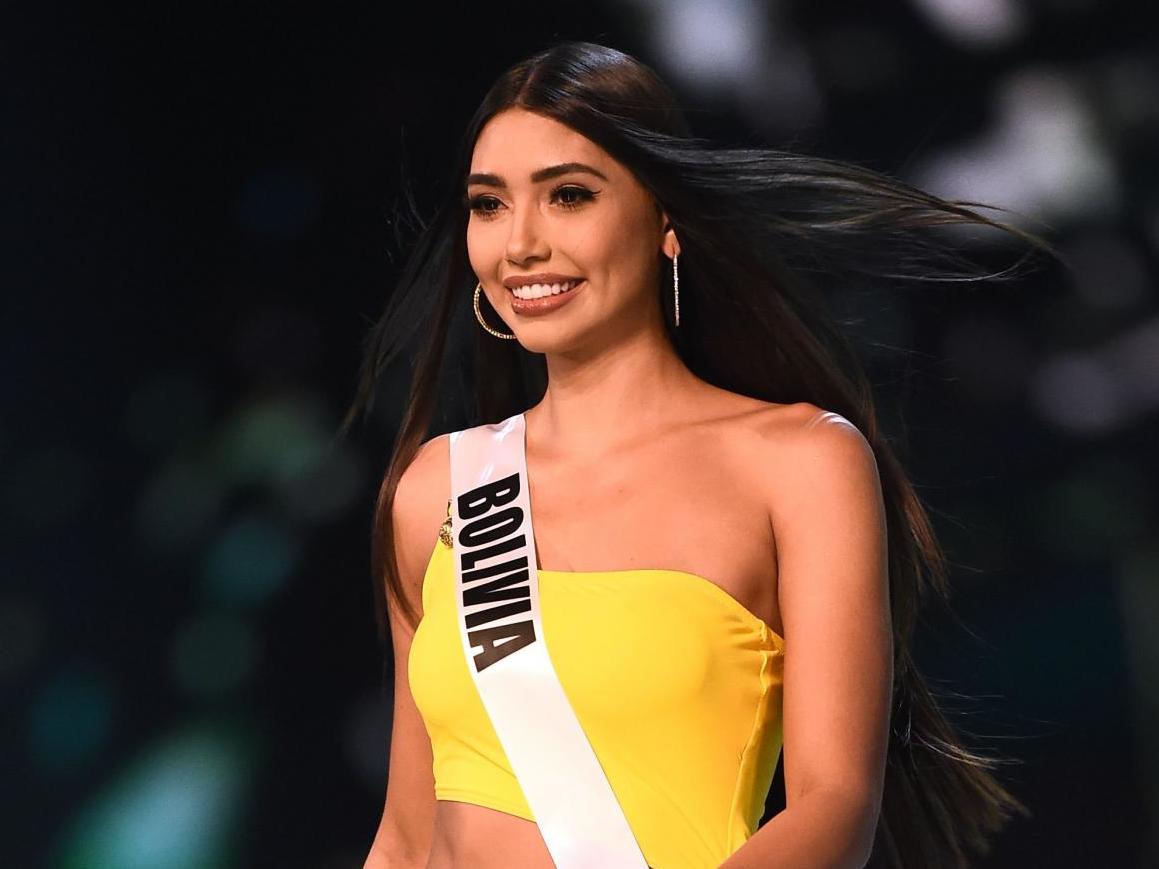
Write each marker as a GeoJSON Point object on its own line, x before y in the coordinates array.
{"type": "Point", "coordinates": [780, 425]}
{"type": "Point", "coordinates": [430, 467]}
{"type": "Point", "coordinates": [797, 425]}
{"type": "Point", "coordinates": [418, 510]}
{"type": "Point", "coordinates": [791, 448]}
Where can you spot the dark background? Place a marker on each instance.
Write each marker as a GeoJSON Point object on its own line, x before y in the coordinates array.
{"type": "Point", "coordinates": [200, 208]}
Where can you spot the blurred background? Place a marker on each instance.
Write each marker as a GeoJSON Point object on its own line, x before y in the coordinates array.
{"type": "Point", "coordinates": [201, 215]}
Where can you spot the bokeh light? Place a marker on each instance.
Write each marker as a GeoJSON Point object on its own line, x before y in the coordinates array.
{"type": "Point", "coordinates": [177, 806]}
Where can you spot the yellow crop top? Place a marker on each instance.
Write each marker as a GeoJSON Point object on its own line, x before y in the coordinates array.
{"type": "Point", "coordinates": [679, 694]}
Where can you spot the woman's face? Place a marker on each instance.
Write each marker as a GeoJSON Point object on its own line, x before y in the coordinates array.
{"type": "Point", "coordinates": [590, 220]}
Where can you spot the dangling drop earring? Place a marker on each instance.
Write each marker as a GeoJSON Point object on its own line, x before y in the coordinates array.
{"type": "Point", "coordinates": [676, 286]}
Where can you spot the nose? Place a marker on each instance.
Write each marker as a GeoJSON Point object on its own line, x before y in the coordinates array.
{"type": "Point", "coordinates": [525, 241]}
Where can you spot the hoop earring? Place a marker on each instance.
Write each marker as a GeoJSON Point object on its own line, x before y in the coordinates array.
{"type": "Point", "coordinates": [676, 287]}
{"type": "Point", "coordinates": [479, 315]}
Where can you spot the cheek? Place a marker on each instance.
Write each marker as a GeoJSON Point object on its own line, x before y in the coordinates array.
{"type": "Point", "coordinates": [478, 249]}
{"type": "Point", "coordinates": [486, 249]}
{"type": "Point", "coordinates": [616, 250]}
{"type": "Point", "coordinates": [607, 244]}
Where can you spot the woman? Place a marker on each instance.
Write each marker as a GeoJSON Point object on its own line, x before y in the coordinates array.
{"type": "Point", "coordinates": [730, 556]}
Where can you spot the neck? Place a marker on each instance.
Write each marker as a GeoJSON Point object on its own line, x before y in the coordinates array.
{"type": "Point", "coordinates": [628, 390]}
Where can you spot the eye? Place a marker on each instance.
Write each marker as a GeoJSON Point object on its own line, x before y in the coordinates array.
{"type": "Point", "coordinates": [480, 205]}
{"type": "Point", "coordinates": [576, 195]}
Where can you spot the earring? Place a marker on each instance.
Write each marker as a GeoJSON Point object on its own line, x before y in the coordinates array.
{"type": "Point", "coordinates": [479, 315]}
{"type": "Point", "coordinates": [676, 287]}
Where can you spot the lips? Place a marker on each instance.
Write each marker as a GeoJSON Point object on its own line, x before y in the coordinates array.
{"type": "Point", "coordinates": [544, 304]}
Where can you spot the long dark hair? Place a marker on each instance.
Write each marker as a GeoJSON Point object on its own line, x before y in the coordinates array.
{"type": "Point", "coordinates": [764, 235]}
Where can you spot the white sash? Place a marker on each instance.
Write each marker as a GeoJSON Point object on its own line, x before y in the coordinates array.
{"type": "Point", "coordinates": [497, 594]}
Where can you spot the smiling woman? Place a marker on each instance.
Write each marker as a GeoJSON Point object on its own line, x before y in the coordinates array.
{"type": "Point", "coordinates": [557, 207]}
{"type": "Point", "coordinates": [737, 555]}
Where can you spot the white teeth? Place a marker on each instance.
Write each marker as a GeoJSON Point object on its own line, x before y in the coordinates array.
{"type": "Point", "coordinates": [538, 291]}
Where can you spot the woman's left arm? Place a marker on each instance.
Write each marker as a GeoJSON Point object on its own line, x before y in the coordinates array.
{"type": "Point", "coordinates": [829, 525]}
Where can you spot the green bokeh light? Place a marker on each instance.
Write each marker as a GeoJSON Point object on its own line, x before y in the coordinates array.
{"type": "Point", "coordinates": [70, 720]}
{"type": "Point", "coordinates": [176, 807]}
{"type": "Point", "coordinates": [250, 560]}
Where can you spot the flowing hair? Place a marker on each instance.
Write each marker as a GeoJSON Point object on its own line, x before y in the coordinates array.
{"type": "Point", "coordinates": [764, 235]}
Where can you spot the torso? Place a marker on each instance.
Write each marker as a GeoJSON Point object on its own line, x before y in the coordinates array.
{"type": "Point", "coordinates": [693, 500]}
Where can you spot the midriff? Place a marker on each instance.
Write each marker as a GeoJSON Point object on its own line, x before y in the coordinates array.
{"type": "Point", "coordinates": [468, 836]}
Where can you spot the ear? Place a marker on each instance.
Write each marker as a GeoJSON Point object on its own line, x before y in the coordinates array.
{"type": "Point", "coordinates": [670, 245]}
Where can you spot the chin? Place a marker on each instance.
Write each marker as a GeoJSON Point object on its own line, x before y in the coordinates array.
{"type": "Point", "coordinates": [544, 343]}
{"type": "Point", "coordinates": [542, 338]}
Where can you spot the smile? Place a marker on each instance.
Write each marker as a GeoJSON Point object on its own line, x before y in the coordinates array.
{"type": "Point", "coordinates": [538, 291]}
{"type": "Point", "coordinates": [543, 298]}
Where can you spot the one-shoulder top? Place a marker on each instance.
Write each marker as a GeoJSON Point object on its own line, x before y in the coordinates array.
{"type": "Point", "coordinates": [677, 686]}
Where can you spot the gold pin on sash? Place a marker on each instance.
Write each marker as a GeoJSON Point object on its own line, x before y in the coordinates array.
{"type": "Point", "coordinates": [445, 534]}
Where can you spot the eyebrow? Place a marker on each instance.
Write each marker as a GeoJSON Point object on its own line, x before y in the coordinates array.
{"type": "Point", "coordinates": [538, 175]}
